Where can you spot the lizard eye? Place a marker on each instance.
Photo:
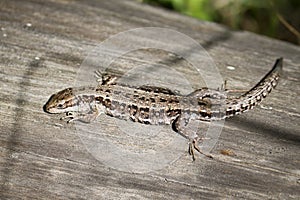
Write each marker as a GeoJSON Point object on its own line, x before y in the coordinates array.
{"type": "Point", "coordinates": [60, 105]}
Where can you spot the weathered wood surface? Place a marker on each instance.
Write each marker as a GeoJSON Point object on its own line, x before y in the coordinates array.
{"type": "Point", "coordinates": [42, 158]}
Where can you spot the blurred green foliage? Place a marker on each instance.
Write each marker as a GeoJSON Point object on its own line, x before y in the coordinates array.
{"type": "Point", "coordinates": [260, 16]}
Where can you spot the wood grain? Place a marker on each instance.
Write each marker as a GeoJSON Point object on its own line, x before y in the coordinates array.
{"type": "Point", "coordinates": [43, 44]}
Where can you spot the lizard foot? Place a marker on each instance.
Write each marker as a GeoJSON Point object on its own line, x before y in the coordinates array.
{"type": "Point", "coordinates": [193, 144]}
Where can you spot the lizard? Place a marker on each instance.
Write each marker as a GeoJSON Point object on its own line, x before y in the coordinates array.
{"type": "Point", "coordinates": [158, 106]}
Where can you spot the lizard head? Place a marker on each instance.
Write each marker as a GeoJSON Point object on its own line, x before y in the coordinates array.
{"type": "Point", "coordinates": [61, 102]}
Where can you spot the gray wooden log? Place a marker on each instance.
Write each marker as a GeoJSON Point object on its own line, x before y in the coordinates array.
{"type": "Point", "coordinates": [43, 44]}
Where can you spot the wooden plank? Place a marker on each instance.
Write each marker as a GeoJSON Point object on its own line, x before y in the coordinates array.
{"type": "Point", "coordinates": [43, 44]}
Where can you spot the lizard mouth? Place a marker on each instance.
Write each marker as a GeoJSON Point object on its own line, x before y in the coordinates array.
{"type": "Point", "coordinates": [47, 109]}
{"type": "Point", "coordinates": [50, 109]}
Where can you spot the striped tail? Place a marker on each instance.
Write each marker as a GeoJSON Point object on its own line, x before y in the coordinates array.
{"type": "Point", "coordinates": [254, 96]}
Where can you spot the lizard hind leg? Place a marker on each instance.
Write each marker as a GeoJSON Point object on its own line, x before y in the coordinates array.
{"type": "Point", "coordinates": [181, 126]}
{"type": "Point", "coordinates": [193, 144]}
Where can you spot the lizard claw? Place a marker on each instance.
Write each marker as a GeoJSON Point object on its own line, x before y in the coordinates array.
{"type": "Point", "coordinates": [70, 117]}
{"type": "Point", "coordinates": [194, 145]}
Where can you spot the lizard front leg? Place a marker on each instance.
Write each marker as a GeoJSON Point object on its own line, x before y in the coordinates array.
{"type": "Point", "coordinates": [105, 79]}
{"type": "Point", "coordinates": [180, 125]}
{"type": "Point", "coordinates": [86, 117]}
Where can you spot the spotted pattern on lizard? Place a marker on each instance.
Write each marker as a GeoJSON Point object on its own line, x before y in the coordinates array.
{"type": "Point", "coordinates": [158, 106]}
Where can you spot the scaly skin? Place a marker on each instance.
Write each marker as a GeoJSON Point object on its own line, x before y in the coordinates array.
{"type": "Point", "coordinates": [158, 106]}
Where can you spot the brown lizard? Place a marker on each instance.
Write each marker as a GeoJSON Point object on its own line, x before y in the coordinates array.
{"type": "Point", "coordinates": [158, 106]}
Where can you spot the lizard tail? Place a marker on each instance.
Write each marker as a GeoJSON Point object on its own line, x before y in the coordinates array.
{"type": "Point", "coordinates": [255, 95]}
